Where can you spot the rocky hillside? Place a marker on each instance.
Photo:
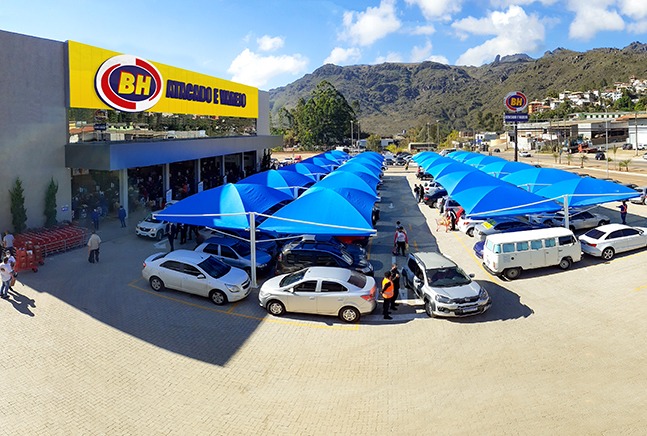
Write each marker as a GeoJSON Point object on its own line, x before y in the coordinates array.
{"type": "Point", "coordinates": [397, 96]}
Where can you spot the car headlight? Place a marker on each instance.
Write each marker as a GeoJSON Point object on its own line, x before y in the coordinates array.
{"type": "Point", "coordinates": [233, 288]}
{"type": "Point", "coordinates": [442, 299]}
{"type": "Point", "coordinates": [483, 295]}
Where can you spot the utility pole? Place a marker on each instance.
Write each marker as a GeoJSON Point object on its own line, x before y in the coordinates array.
{"type": "Point", "coordinates": [438, 133]}
{"type": "Point", "coordinates": [351, 133]}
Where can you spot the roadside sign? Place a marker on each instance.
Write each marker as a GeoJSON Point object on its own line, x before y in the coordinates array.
{"type": "Point", "coordinates": [515, 118]}
{"type": "Point", "coordinates": [100, 126]}
{"type": "Point", "coordinates": [515, 101]}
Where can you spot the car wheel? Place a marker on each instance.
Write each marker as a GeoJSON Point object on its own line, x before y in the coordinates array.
{"type": "Point", "coordinates": [349, 314]}
{"type": "Point", "coordinates": [430, 308]}
{"type": "Point", "coordinates": [156, 283]}
{"type": "Point", "coordinates": [276, 308]}
{"type": "Point", "coordinates": [603, 222]}
{"type": "Point", "coordinates": [470, 232]}
{"type": "Point", "coordinates": [512, 273]}
{"type": "Point", "coordinates": [565, 263]}
{"type": "Point", "coordinates": [218, 297]}
{"type": "Point", "coordinates": [159, 235]}
{"type": "Point", "coordinates": [608, 253]}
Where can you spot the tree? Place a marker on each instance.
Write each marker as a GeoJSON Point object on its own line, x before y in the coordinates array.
{"type": "Point", "coordinates": [50, 203]}
{"type": "Point", "coordinates": [324, 119]}
{"type": "Point", "coordinates": [374, 143]}
{"type": "Point", "coordinates": [18, 211]}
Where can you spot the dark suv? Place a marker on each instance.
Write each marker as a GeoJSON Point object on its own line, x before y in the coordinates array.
{"type": "Point", "coordinates": [302, 254]}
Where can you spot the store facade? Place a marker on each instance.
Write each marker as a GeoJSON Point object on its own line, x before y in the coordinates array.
{"type": "Point", "coordinates": [102, 163]}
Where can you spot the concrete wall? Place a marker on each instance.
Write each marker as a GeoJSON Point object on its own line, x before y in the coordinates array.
{"type": "Point", "coordinates": [263, 121]}
{"type": "Point", "coordinates": [33, 124]}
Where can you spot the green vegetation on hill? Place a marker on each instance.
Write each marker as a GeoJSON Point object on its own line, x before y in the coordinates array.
{"type": "Point", "coordinates": [392, 97]}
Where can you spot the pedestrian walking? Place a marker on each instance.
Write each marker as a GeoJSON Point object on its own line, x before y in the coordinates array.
{"type": "Point", "coordinates": [623, 211]}
{"type": "Point", "coordinates": [122, 216]}
{"type": "Point", "coordinates": [422, 193]}
{"type": "Point", "coordinates": [6, 263]}
{"type": "Point", "coordinates": [95, 218]}
{"type": "Point", "coordinates": [416, 191]}
{"type": "Point", "coordinates": [93, 247]}
{"type": "Point", "coordinates": [395, 278]}
{"type": "Point", "coordinates": [170, 234]}
{"type": "Point", "coordinates": [387, 294]}
{"type": "Point", "coordinates": [7, 242]}
{"type": "Point", "coordinates": [400, 241]}
{"type": "Point", "coordinates": [451, 214]}
{"type": "Point", "coordinates": [5, 276]}
{"type": "Point", "coordinates": [183, 231]}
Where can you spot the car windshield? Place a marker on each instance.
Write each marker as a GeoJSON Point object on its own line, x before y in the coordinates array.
{"type": "Point", "coordinates": [214, 267]}
{"type": "Point", "coordinates": [594, 234]}
{"type": "Point", "coordinates": [447, 277]}
{"type": "Point", "coordinates": [293, 278]}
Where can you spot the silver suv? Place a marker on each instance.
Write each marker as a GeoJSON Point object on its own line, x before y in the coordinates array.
{"type": "Point", "coordinates": [443, 286]}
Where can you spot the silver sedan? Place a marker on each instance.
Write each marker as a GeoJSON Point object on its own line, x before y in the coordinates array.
{"type": "Point", "coordinates": [320, 290]}
{"type": "Point", "coordinates": [605, 241]}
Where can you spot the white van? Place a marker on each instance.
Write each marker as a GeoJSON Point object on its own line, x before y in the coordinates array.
{"type": "Point", "coordinates": [508, 254]}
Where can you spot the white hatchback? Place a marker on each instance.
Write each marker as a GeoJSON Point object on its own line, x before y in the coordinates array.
{"type": "Point", "coordinates": [606, 241]}
{"type": "Point", "coordinates": [196, 273]}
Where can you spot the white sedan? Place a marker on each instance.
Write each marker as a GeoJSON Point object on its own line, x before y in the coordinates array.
{"type": "Point", "coordinates": [320, 290]}
{"type": "Point", "coordinates": [605, 241]}
{"type": "Point", "coordinates": [196, 273]}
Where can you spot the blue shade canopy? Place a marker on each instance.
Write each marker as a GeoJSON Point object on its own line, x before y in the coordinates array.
{"type": "Point", "coordinates": [461, 156]}
{"type": "Point", "coordinates": [370, 164]}
{"type": "Point", "coordinates": [339, 154]}
{"type": "Point", "coordinates": [362, 172]}
{"type": "Point", "coordinates": [322, 162]}
{"type": "Point", "coordinates": [443, 168]}
{"type": "Point", "coordinates": [323, 212]}
{"type": "Point", "coordinates": [533, 179]}
{"type": "Point", "coordinates": [440, 161]}
{"type": "Point", "coordinates": [226, 206]}
{"type": "Point", "coordinates": [456, 181]}
{"type": "Point", "coordinates": [504, 168]}
{"type": "Point", "coordinates": [587, 191]}
{"type": "Point", "coordinates": [418, 157]}
{"type": "Point", "coordinates": [328, 155]}
{"type": "Point", "coordinates": [370, 155]}
{"type": "Point", "coordinates": [429, 159]}
{"type": "Point", "coordinates": [342, 179]}
{"type": "Point", "coordinates": [365, 167]}
{"type": "Point", "coordinates": [481, 160]}
{"type": "Point", "coordinates": [502, 200]}
{"type": "Point", "coordinates": [281, 180]}
{"type": "Point", "coordinates": [360, 200]}
{"type": "Point", "coordinates": [311, 170]}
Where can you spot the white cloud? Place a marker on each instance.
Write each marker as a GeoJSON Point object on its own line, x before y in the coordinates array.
{"type": "Point", "coordinates": [364, 28]}
{"type": "Point", "coordinates": [421, 54]}
{"type": "Point", "coordinates": [636, 9]}
{"type": "Point", "coordinates": [437, 9]}
{"type": "Point", "coordinates": [424, 30]}
{"type": "Point", "coordinates": [506, 3]}
{"type": "Point", "coordinates": [593, 16]}
{"type": "Point", "coordinates": [514, 32]}
{"type": "Point", "coordinates": [638, 27]}
{"type": "Point", "coordinates": [340, 56]}
{"type": "Point", "coordinates": [268, 43]}
{"type": "Point", "coordinates": [390, 57]}
{"type": "Point", "coordinates": [256, 70]}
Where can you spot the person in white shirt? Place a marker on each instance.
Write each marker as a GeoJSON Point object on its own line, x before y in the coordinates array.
{"type": "Point", "coordinates": [93, 247]}
{"type": "Point", "coordinates": [5, 276]}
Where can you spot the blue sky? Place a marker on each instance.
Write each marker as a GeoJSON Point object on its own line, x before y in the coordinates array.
{"type": "Point", "coordinates": [270, 43]}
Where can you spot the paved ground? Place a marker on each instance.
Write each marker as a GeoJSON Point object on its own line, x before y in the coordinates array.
{"type": "Point", "coordinates": [90, 349]}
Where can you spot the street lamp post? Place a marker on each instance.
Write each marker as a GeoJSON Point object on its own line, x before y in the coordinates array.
{"type": "Point", "coordinates": [351, 133]}
{"type": "Point", "coordinates": [606, 138]}
{"type": "Point", "coordinates": [437, 133]}
{"type": "Point", "coordinates": [427, 138]}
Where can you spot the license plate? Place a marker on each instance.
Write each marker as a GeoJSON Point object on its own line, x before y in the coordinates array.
{"type": "Point", "coordinates": [470, 309]}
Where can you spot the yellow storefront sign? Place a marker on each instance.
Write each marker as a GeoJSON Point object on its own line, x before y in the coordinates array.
{"type": "Point", "coordinates": [102, 79]}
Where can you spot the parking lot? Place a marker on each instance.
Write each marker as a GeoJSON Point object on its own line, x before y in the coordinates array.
{"type": "Point", "coordinates": [91, 349]}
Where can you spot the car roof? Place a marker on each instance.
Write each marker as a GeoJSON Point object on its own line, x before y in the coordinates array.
{"type": "Point", "coordinates": [222, 240]}
{"type": "Point", "coordinates": [523, 235]}
{"type": "Point", "coordinates": [607, 228]}
{"type": "Point", "coordinates": [432, 259]}
{"type": "Point", "coordinates": [186, 255]}
{"type": "Point", "coordinates": [328, 272]}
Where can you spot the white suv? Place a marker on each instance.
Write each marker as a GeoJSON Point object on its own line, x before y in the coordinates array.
{"type": "Point", "coordinates": [443, 286]}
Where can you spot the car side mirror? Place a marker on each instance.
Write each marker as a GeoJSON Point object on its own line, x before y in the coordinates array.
{"type": "Point", "coordinates": [201, 276]}
{"type": "Point", "coordinates": [472, 275]}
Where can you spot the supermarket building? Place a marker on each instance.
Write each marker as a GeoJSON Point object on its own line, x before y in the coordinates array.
{"type": "Point", "coordinates": [103, 164]}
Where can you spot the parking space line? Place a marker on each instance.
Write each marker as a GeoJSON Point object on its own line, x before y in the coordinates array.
{"type": "Point", "coordinates": [348, 327]}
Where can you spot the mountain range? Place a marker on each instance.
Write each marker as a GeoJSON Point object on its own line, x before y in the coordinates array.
{"type": "Point", "coordinates": [392, 97]}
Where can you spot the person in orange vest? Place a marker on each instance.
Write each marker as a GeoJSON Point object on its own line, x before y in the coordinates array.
{"type": "Point", "coordinates": [388, 293]}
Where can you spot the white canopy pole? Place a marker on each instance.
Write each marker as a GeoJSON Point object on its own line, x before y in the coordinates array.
{"type": "Point", "coordinates": [252, 243]}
